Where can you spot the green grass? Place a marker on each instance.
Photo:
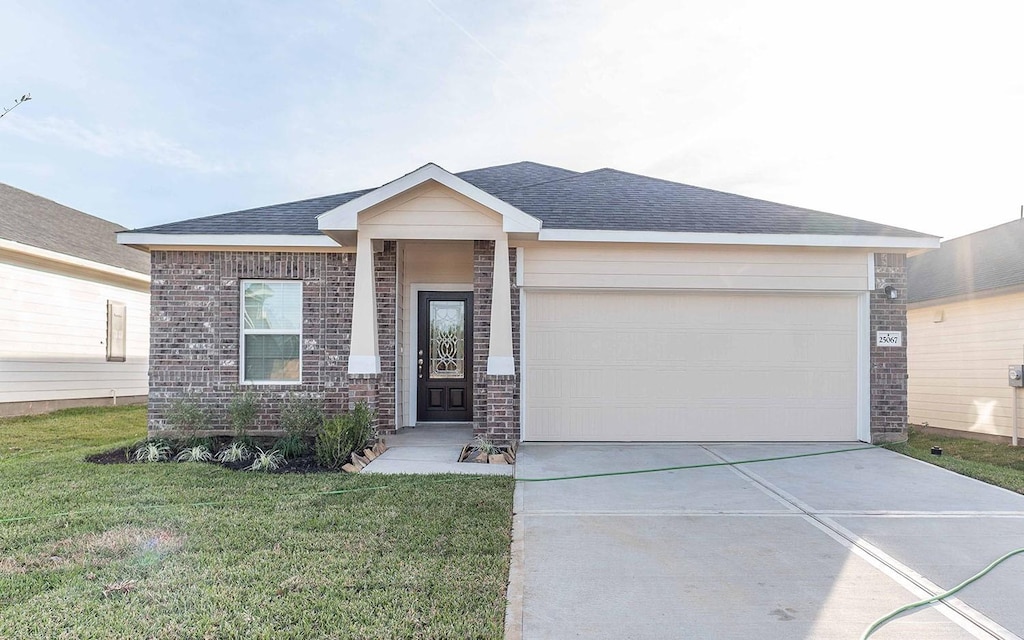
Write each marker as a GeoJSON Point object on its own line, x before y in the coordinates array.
{"type": "Point", "coordinates": [426, 557]}
{"type": "Point", "coordinates": [998, 464]}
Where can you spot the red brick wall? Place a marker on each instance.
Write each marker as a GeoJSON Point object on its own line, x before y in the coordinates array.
{"type": "Point", "coordinates": [194, 330]}
{"type": "Point", "coordinates": [483, 268]}
{"type": "Point", "coordinates": [889, 364]}
{"type": "Point", "coordinates": [386, 274]}
{"type": "Point", "coordinates": [495, 398]}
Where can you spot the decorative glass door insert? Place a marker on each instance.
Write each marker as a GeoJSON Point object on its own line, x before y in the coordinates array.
{"type": "Point", "coordinates": [447, 339]}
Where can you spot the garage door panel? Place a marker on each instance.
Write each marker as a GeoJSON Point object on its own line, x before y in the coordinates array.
{"type": "Point", "coordinates": [687, 366]}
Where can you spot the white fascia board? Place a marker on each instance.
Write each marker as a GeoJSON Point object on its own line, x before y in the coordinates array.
{"type": "Point", "coordinates": [74, 261]}
{"type": "Point", "coordinates": [345, 217]}
{"type": "Point", "coordinates": [224, 240]}
{"type": "Point", "coordinates": [767, 239]}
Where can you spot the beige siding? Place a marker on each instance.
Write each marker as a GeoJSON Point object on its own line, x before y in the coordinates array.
{"type": "Point", "coordinates": [958, 366]}
{"type": "Point", "coordinates": [593, 265]}
{"type": "Point", "coordinates": [424, 264]}
{"type": "Point", "coordinates": [431, 212]}
{"type": "Point", "coordinates": [53, 325]}
{"type": "Point", "coordinates": [438, 262]}
{"type": "Point", "coordinates": [690, 366]}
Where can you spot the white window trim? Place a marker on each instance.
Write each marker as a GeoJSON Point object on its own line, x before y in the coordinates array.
{"type": "Point", "coordinates": [242, 332]}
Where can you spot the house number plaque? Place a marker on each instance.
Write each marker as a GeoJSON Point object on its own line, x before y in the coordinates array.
{"type": "Point", "coordinates": [889, 339]}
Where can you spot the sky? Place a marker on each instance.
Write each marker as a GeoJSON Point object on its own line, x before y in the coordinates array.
{"type": "Point", "coordinates": [902, 112]}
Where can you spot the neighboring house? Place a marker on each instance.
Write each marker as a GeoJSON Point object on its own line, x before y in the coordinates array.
{"type": "Point", "coordinates": [74, 309]}
{"type": "Point", "coordinates": [540, 304]}
{"type": "Point", "coordinates": [966, 316]}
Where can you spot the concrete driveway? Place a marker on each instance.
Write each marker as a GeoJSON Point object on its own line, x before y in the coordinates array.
{"type": "Point", "coordinates": [815, 547]}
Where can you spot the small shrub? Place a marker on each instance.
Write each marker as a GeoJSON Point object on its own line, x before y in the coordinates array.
{"type": "Point", "coordinates": [481, 443]}
{"type": "Point", "coordinates": [152, 451]}
{"type": "Point", "coordinates": [338, 437]}
{"type": "Point", "coordinates": [186, 416]}
{"type": "Point", "coordinates": [301, 415]}
{"type": "Point", "coordinates": [266, 460]}
{"type": "Point", "coordinates": [292, 445]}
{"type": "Point", "coordinates": [242, 413]}
{"type": "Point", "coordinates": [234, 452]}
{"type": "Point", "coordinates": [198, 453]}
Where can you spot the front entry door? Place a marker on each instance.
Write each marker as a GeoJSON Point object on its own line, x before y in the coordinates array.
{"type": "Point", "coordinates": [444, 357]}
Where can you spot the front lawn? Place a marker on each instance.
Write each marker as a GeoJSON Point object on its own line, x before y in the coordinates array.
{"type": "Point", "coordinates": [998, 464]}
{"type": "Point", "coordinates": [189, 550]}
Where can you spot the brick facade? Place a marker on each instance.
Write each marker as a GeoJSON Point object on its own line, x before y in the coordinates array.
{"type": "Point", "coordinates": [194, 336]}
{"type": "Point", "coordinates": [194, 329]}
{"type": "Point", "coordinates": [483, 266]}
{"type": "Point", "coordinates": [386, 282]}
{"type": "Point", "coordinates": [889, 364]}
{"type": "Point", "coordinates": [495, 398]}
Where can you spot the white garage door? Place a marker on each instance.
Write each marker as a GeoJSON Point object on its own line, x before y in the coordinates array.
{"type": "Point", "coordinates": [624, 366]}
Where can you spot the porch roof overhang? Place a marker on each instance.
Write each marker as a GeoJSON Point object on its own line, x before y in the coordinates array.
{"type": "Point", "coordinates": [342, 222]}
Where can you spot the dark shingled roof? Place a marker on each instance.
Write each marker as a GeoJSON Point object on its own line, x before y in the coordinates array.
{"type": "Point", "coordinates": [981, 261]}
{"type": "Point", "coordinates": [289, 218]}
{"type": "Point", "coordinates": [604, 199]}
{"type": "Point", "coordinates": [39, 222]}
{"type": "Point", "coordinates": [608, 199]}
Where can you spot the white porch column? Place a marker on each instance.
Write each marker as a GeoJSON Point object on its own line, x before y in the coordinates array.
{"type": "Point", "coordinates": [499, 354]}
{"type": "Point", "coordinates": [363, 357]}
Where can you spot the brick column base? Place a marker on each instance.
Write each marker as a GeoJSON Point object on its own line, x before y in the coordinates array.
{"type": "Point", "coordinates": [500, 425]}
{"type": "Point", "coordinates": [365, 388]}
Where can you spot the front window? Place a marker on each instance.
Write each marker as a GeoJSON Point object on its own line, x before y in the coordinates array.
{"type": "Point", "coordinates": [271, 331]}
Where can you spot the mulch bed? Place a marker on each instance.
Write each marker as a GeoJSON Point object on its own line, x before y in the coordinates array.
{"type": "Point", "coordinates": [301, 464]}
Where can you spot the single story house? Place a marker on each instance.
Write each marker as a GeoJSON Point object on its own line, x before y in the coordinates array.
{"type": "Point", "coordinates": [966, 326]}
{"type": "Point", "coordinates": [540, 304]}
{"type": "Point", "coordinates": [74, 309]}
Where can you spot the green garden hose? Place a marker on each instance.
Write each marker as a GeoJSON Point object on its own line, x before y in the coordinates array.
{"type": "Point", "coordinates": [942, 596]}
{"type": "Point", "coordinates": [693, 466]}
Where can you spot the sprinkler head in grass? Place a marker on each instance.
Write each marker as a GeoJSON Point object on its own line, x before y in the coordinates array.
{"type": "Point", "coordinates": [936, 451]}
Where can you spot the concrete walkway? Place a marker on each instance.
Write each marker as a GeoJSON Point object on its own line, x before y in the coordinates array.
{"type": "Point", "coordinates": [816, 547]}
{"type": "Point", "coordinates": [431, 449]}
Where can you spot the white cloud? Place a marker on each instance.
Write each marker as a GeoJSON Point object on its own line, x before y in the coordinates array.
{"type": "Point", "coordinates": [145, 145]}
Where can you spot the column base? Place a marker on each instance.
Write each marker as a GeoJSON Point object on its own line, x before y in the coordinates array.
{"type": "Point", "coordinates": [365, 388]}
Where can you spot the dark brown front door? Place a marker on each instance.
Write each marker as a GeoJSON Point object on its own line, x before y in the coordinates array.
{"type": "Point", "coordinates": [444, 357]}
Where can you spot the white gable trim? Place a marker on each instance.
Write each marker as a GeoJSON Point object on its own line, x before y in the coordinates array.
{"type": "Point", "coordinates": [344, 217]}
{"type": "Point", "coordinates": [769, 239]}
{"type": "Point", "coordinates": [224, 240]}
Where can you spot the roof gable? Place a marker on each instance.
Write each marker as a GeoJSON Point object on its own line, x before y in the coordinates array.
{"type": "Point", "coordinates": [345, 216]}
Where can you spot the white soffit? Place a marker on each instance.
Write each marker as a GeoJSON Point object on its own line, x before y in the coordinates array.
{"type": "Point", "coordinates": [344, 217]}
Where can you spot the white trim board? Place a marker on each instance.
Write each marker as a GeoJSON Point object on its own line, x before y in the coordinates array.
{"type": "Point", "coordinates": [864, 366]}
{"type": "Point", "coordinates": [225, 240]}
{"type": "Point", "coordinates": [766, 239]}
{"type": "Point", "coordinates": [345, 216]}
{"type": "Point", "coordinates": [412, 314]}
